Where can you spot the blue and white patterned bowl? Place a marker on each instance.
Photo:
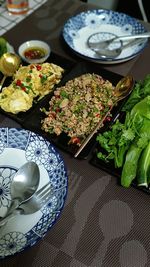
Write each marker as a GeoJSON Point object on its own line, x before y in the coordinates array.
{"type": "Point", "coordinates": [78, 29]}
{"type": "Point", "coordinates": [18, 146]}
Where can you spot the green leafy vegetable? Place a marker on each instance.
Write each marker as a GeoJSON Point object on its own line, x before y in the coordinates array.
{"type": "Point", "coordinates": [130, 165]}
{"type": "Point", "coordinates": [3, 46]}
{"type": "Point", "coordinates": [116, 142]}
{"type": "Point", "coordinates": [141, 90]}
{"type": "Point", "coordinates": [143, 171]}
{"type": "Point", "coordinates": [141, 111]}
{"type": "Point", "coordinates": [126, 142]}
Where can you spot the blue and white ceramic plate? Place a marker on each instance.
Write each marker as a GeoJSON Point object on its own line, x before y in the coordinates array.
{"type": "Point", "coordinates": [78, 29]}
{"type": "Point", "coordinates": [18, 146]}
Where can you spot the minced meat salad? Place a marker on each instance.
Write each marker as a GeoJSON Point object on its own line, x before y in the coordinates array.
{"type": "Point", "coordinates": [78, 106]}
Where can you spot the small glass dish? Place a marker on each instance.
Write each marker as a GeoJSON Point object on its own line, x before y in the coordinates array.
{"type": "Point", "coordinates": [34, 51]}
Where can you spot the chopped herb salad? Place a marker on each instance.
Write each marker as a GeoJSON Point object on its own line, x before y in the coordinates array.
{"type": "Point", "coordinates": [78, 106]}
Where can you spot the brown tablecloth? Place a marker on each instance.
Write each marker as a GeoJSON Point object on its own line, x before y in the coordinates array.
{"type": "Point", "coordinates": [102, 224]}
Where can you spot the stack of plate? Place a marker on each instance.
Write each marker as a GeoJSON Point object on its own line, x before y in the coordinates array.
{"type": "Point", "coordinates": [79, 28]}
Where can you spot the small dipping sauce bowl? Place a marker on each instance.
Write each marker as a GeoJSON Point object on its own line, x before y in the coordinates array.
{"type": "Point", "coordinates": [34, 51]}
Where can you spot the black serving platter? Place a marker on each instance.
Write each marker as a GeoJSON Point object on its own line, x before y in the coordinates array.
{"type": "Point", "coordinates": [66, 64]}
{"type": "Point", "coordinates": [33, 120]}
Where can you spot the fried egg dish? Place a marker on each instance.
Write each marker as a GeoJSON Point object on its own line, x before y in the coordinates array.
{"type": "Point", "coordinates": [29, 83]}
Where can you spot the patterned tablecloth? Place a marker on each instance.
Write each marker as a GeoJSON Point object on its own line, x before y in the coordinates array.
{"type": "Point", "coordinates": [7, 21]}
{"type": "Point", "coordinates": [102, 224]}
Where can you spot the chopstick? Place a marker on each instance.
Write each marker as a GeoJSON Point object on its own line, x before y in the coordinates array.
{"type": "Point", "coordinates": [92, 133]}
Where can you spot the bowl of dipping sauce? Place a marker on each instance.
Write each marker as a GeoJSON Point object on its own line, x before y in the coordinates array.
{"type": "Point", "coordinates": [34, 51]}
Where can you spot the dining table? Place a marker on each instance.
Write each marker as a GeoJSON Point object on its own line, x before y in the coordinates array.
{"type": "Point", "coordinates": [102, 223]}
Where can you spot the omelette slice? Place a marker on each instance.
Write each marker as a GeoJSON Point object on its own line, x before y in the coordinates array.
{"type": "Point", "coordinates": [29, 83]}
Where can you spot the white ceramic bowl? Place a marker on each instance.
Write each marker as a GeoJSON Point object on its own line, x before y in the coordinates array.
{"type": "Point", "coordinates": [34, 44]}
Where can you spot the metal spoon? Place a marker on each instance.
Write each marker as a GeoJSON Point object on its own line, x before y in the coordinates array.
{"type": "Point", "coordinates": [103, 44]}
{"type": "Point", "coordinates": [24, 184]}
{"type": "Point", "coordinates": [9, 63]}
{"type": "Point", "coordinates": [33, 204]}
{"type": "Point", "coordinates": [122, 90]}
{"type": "Point", "coordinates": [106, 53]}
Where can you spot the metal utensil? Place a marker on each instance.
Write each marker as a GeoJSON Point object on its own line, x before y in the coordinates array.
{"type": "Point", "coordinates": [24, 184]}
{"type": "Point", "coordinates": [106, 43]}
{"type": "Point", "coordinates": [104, 53]}
{"type": "Point", "coordinates": [9, 63]}
{"type": "Point", "coordinates": [35, 203]}
{"type": "Point", "coordinates": [122, 90]}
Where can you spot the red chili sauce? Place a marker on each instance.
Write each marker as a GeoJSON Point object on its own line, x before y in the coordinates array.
{"type": "Point", "coordinates": [34, 53]}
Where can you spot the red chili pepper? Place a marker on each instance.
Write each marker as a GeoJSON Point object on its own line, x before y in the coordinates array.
{"type": "Point", "coordinates": [23, 89]}
{"type": "Point", "coordinates": [38, 67]}
{"type": "Point", "coordinates": [40, 75]}
{"type": "Point", "coordinates": [97, 115]}
{"type": "Point", "coordinates": [58, 110]}
{"type": "Point", "coordinates": [57, 96]}
{"type": "Point", "coordinates": [107, 119]}
{"type": "Point", "coordinates": [75, 140]}
{"type": "Point", "coordinates": [18, 83]}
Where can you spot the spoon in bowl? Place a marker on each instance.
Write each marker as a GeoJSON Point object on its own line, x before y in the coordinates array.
{"type": "Point", "coordinates": [24, 184]}
{"type": "Point", "coordinates": [122, 90]}
{"type": "Point", "coordinates": [113, 53]}
{"type": "Point", "coordinates": [33, 204]}
{"type": "Point", "coordinates": [9, 63]}
{"type": "Point", "coordinates": [110, 49]}
{"type": "Point", "coordinates": [93, 40]}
